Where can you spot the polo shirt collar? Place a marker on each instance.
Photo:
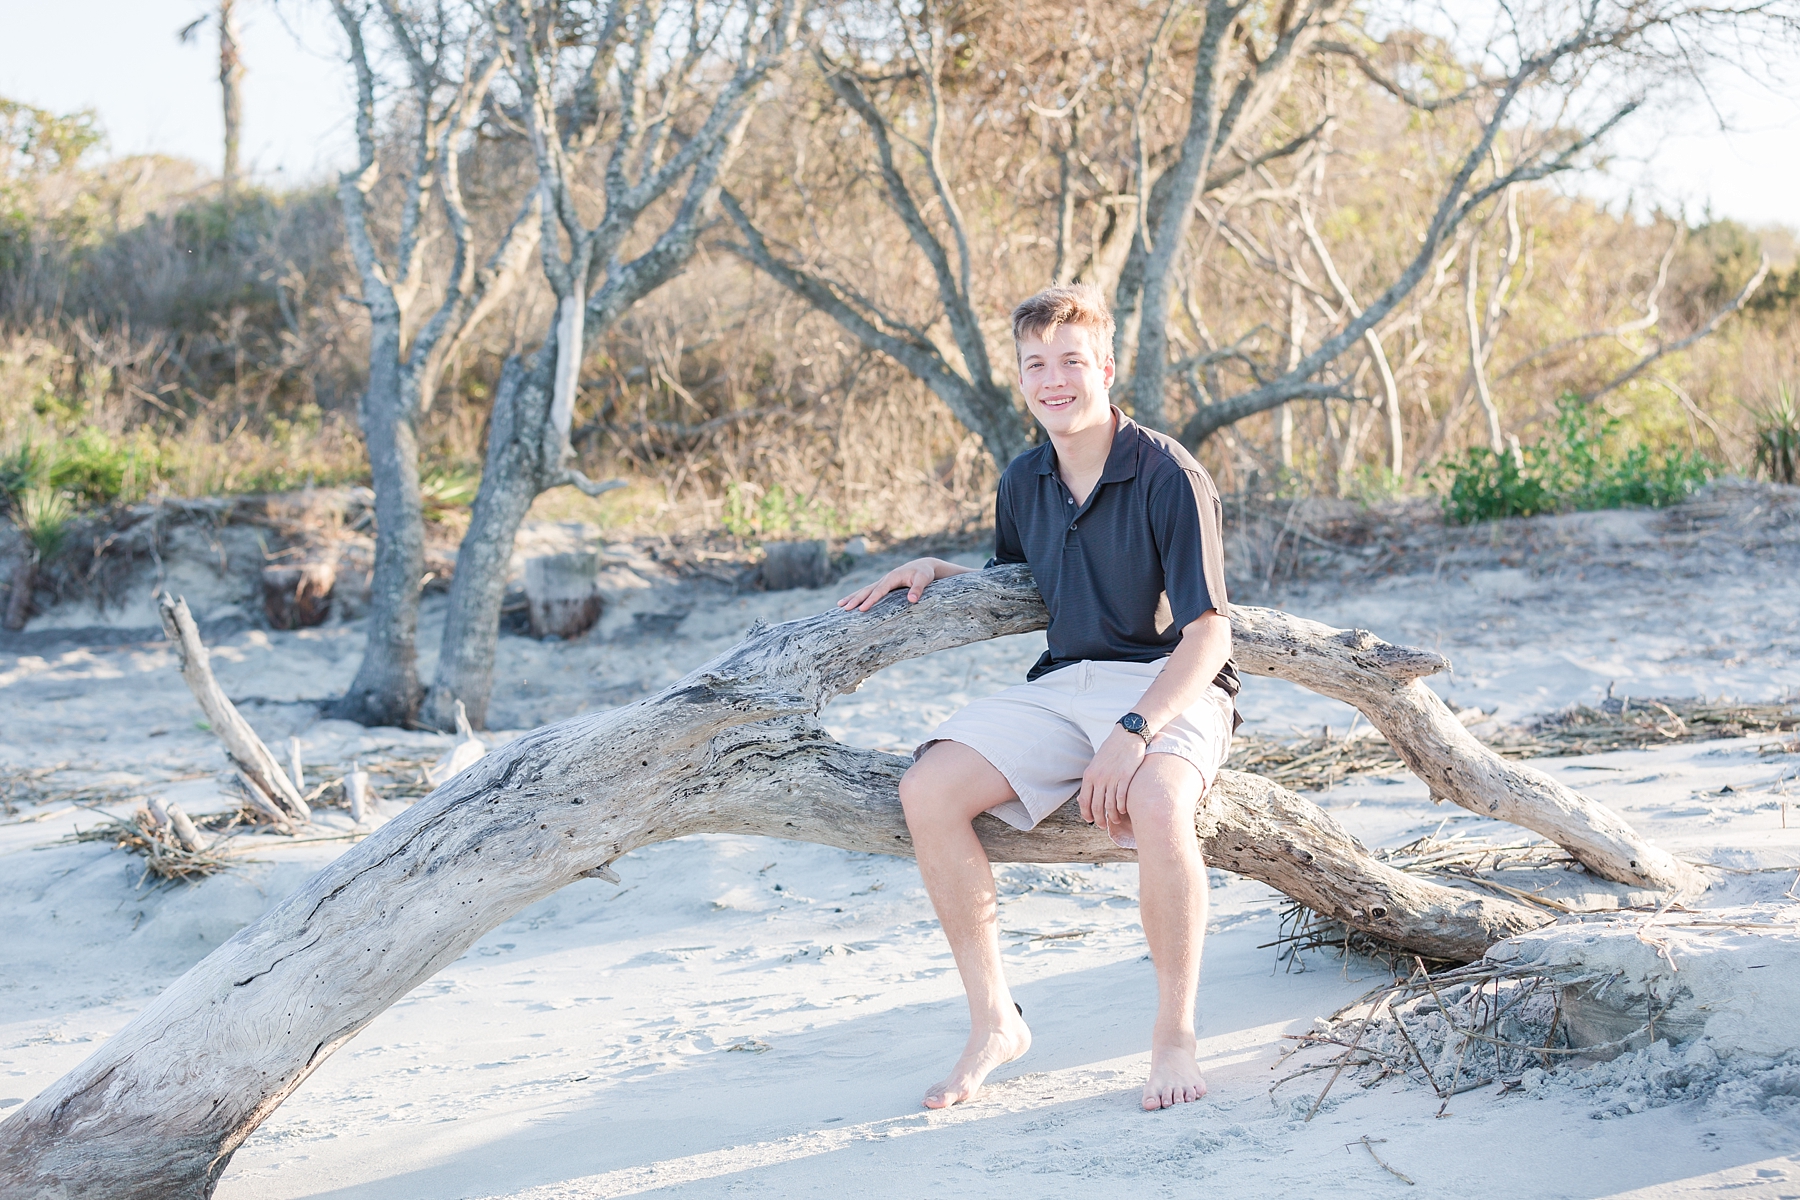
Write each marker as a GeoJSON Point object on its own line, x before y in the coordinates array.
{"type": "Point", "coordinates": [1121, 460]}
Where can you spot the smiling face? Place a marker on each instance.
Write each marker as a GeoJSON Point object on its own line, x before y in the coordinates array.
{"type": "Point", "coordinates": [1065, 375]}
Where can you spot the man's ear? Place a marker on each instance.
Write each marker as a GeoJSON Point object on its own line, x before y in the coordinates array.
{"type": "Point", "coordinates": [1107, 370]}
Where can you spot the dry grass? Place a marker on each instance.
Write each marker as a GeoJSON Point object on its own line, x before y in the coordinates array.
{"type": "Point", "coordinates": [1634, 722]}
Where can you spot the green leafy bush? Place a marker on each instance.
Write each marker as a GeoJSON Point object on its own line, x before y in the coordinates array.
{"type": "Point", "coordinates": [91, 468]}
{"type": "Point", "coordinates": [1578, 466]}
{"type": "Point", "coordinates": [447, 489]}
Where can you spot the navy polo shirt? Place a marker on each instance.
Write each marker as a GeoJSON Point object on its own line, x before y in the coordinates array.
{"type": "Point", "coordinates": [1124, 573]}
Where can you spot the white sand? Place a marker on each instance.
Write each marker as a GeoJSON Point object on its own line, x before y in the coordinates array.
{"type": "Point", "coordinates": [745, 1016]}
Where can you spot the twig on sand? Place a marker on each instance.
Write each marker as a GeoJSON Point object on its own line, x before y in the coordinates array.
{"type": "Point", "coordinates": [1365, 1142]}
{"type": "Point", "coordinates": [1344, 1060]}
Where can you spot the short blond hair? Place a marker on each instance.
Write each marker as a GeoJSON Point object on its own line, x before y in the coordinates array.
{"type": "Point", "coordinates": [1078, 304]}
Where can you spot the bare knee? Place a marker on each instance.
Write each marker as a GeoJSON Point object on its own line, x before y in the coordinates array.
{"type": "Point", "coordinates": [925, 794]}
{"type": "Point", "coordinates": [949, 783]}
{"type": "Point", "coordinates": [915, 793]}
{"type": "Point", "coordinates": [1162, 809]}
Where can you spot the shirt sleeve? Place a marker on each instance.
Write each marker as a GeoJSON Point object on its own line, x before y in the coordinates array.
{"type": "Point", "coordinates": [1007, 546]}
{"type": "Point", "coordinates": [1188, 522]}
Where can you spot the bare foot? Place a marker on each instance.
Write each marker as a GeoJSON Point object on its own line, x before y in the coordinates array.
{"type": "Point", "coordinates": [987, 1049]}
{"type": "Point", "coordinates": [1174, 1078]}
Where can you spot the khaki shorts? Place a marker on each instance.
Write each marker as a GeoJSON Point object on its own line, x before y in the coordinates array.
{"type": "Point", "coordinates": [1042, 735]}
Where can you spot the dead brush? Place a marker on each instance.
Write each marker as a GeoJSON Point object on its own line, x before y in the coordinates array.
{"type": "Point", "coordinates": [173, 848]}
{"type": "Point", "coordinates": [1467, 862]}
{"type": "Point", "coordinates": [1633, 722]}
{"type": "Point", "coordinates": [1315, 762]}
{"type": "Point", "coordinates": [37, 787]}
{"type": "Point", "coordinates": [1454, 1030]}
{"type": "Point", "coordinates": [1311, 764]}
{"type": "Point", "coordinates": [1481, 864]}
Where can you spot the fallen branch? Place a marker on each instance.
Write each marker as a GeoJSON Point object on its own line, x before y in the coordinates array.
{"type": "Point", "coordinates": [267, 784]}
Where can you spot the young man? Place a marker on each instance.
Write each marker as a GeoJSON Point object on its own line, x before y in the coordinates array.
{"type": "Point", "coordinates": [1130, 709]}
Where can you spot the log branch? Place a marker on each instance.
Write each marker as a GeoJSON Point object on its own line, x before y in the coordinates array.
{"type": "Point", "coordinates": [1384, 681]}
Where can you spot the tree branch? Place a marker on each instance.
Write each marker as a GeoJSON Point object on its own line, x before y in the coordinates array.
{"type": "Point", "coordinates": [1643, 364]}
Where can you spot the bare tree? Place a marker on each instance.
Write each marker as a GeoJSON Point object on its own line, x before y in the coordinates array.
{"type": "Point", "coordinates": [447, 67]}
{"type": "Point", "coordinates": [1168, 179]}
{"type": "Point", "coordinates": [1534, 100]}
{"type": "Point", "coordinates": [671, 114]}
{"type": "Point", "coordinates": [1534, 94]}
{"type": "Point", "coordinates": [231, 82]}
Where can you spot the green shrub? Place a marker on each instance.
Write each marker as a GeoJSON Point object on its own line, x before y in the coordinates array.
{"type": "Point", "coordinates": [44, 514]}
{"type": "Point", "coordinates": [444, 490]}
{"type": "Point", "coordinates": [88, 469]}
{"type": "Point", "coordinates": [755, 512]}
{"type": "Point", "coordinates": [1577, 467]}
{"type": "Point", "coordinates": [1777, 437]}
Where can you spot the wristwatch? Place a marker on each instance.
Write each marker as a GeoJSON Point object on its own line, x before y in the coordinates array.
{"type": "Point", "coordinates": [1132, 723]}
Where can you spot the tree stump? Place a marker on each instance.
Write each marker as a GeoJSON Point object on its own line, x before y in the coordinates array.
{"type": "Point", "coordinates": [298, 596]}
{"type": "Point", "coordinates": [562, 595]}
{"type": "Point", "coordinates": [20, 575]}
{"type": "Point", "coordinates": [788, 565]}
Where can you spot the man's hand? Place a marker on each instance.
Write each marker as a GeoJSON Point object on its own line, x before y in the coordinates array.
{"type": "Point", "coordinates": [1108, 778]}
{"type": "Point", "coordinates": [914, 576]}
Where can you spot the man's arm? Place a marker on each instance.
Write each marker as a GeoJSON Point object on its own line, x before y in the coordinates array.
{"type": "Point", "coordinates": [918, 574]}
{"type": "Point", "coordinates": [913, 576]}
{"type": "Point", "coordinates": [1196, 661]}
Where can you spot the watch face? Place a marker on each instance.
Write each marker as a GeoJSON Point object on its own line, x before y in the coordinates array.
{"type": "Point", "coordinates": [1132, 723]}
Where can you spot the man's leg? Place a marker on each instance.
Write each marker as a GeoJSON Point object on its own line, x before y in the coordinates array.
{"type": "Point", "coordinates": [943, 792]}
{"type": "Point", "coordinates": [1172, 898]}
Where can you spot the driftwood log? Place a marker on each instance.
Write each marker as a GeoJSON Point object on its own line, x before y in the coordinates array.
{"type": "Point", "coordinates": [266, 783]}
{"type": "Point", "coordinates": [733, 747]}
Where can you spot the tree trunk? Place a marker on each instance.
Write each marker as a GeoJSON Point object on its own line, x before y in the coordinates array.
{"type": "Point", "coordinates": [21, 585]}
{"type": "Point", "coordinates": [386, 690]}
{"type": "Point", "coordinates": [511, 479]}
{"type": "Point", "coordinates": [733, 747]}
{"type": "Point", "coordinates": [231, 80]}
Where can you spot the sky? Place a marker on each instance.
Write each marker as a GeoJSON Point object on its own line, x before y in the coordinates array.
{"type": "Point", "coordinates": [154, 94]}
